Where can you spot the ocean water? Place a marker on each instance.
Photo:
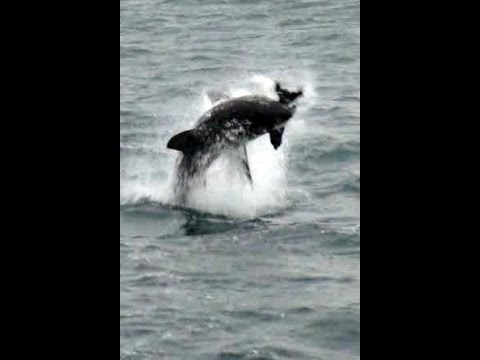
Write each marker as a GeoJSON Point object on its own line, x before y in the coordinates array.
{"type": "Point", "coordinates": [269, 272]}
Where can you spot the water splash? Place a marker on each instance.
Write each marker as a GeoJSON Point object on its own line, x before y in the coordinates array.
{"type": "Point", "coordinates": [226, 191]}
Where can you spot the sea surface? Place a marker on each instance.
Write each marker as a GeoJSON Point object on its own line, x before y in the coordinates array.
{"type": "Point", "coordinates": [264, 272]}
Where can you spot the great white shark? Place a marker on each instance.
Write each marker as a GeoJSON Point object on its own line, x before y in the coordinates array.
{"type": "Point", "coordinates": [226, 128]}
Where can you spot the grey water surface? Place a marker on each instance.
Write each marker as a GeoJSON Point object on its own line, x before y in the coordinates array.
{"type": "Point", "coordinates": [265, 273]}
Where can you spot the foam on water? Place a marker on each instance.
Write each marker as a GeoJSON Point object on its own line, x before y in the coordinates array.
{"type": "Point", "coordinates": [227, 192]}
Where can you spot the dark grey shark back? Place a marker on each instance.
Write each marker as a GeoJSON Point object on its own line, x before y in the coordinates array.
{"type": "Point", "coordinates": [253, 111]}
{"type": "Point", "coordinates": [232, 122]}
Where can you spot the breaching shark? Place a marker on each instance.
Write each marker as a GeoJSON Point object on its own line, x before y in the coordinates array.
{"type": "Point", "coordinates": [226, 128]}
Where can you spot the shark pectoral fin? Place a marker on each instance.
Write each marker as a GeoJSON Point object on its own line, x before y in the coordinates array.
{"type": "Point", "coordinates": [276, 137]}
{"type": "Point", "coordinates": [187, 142]}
